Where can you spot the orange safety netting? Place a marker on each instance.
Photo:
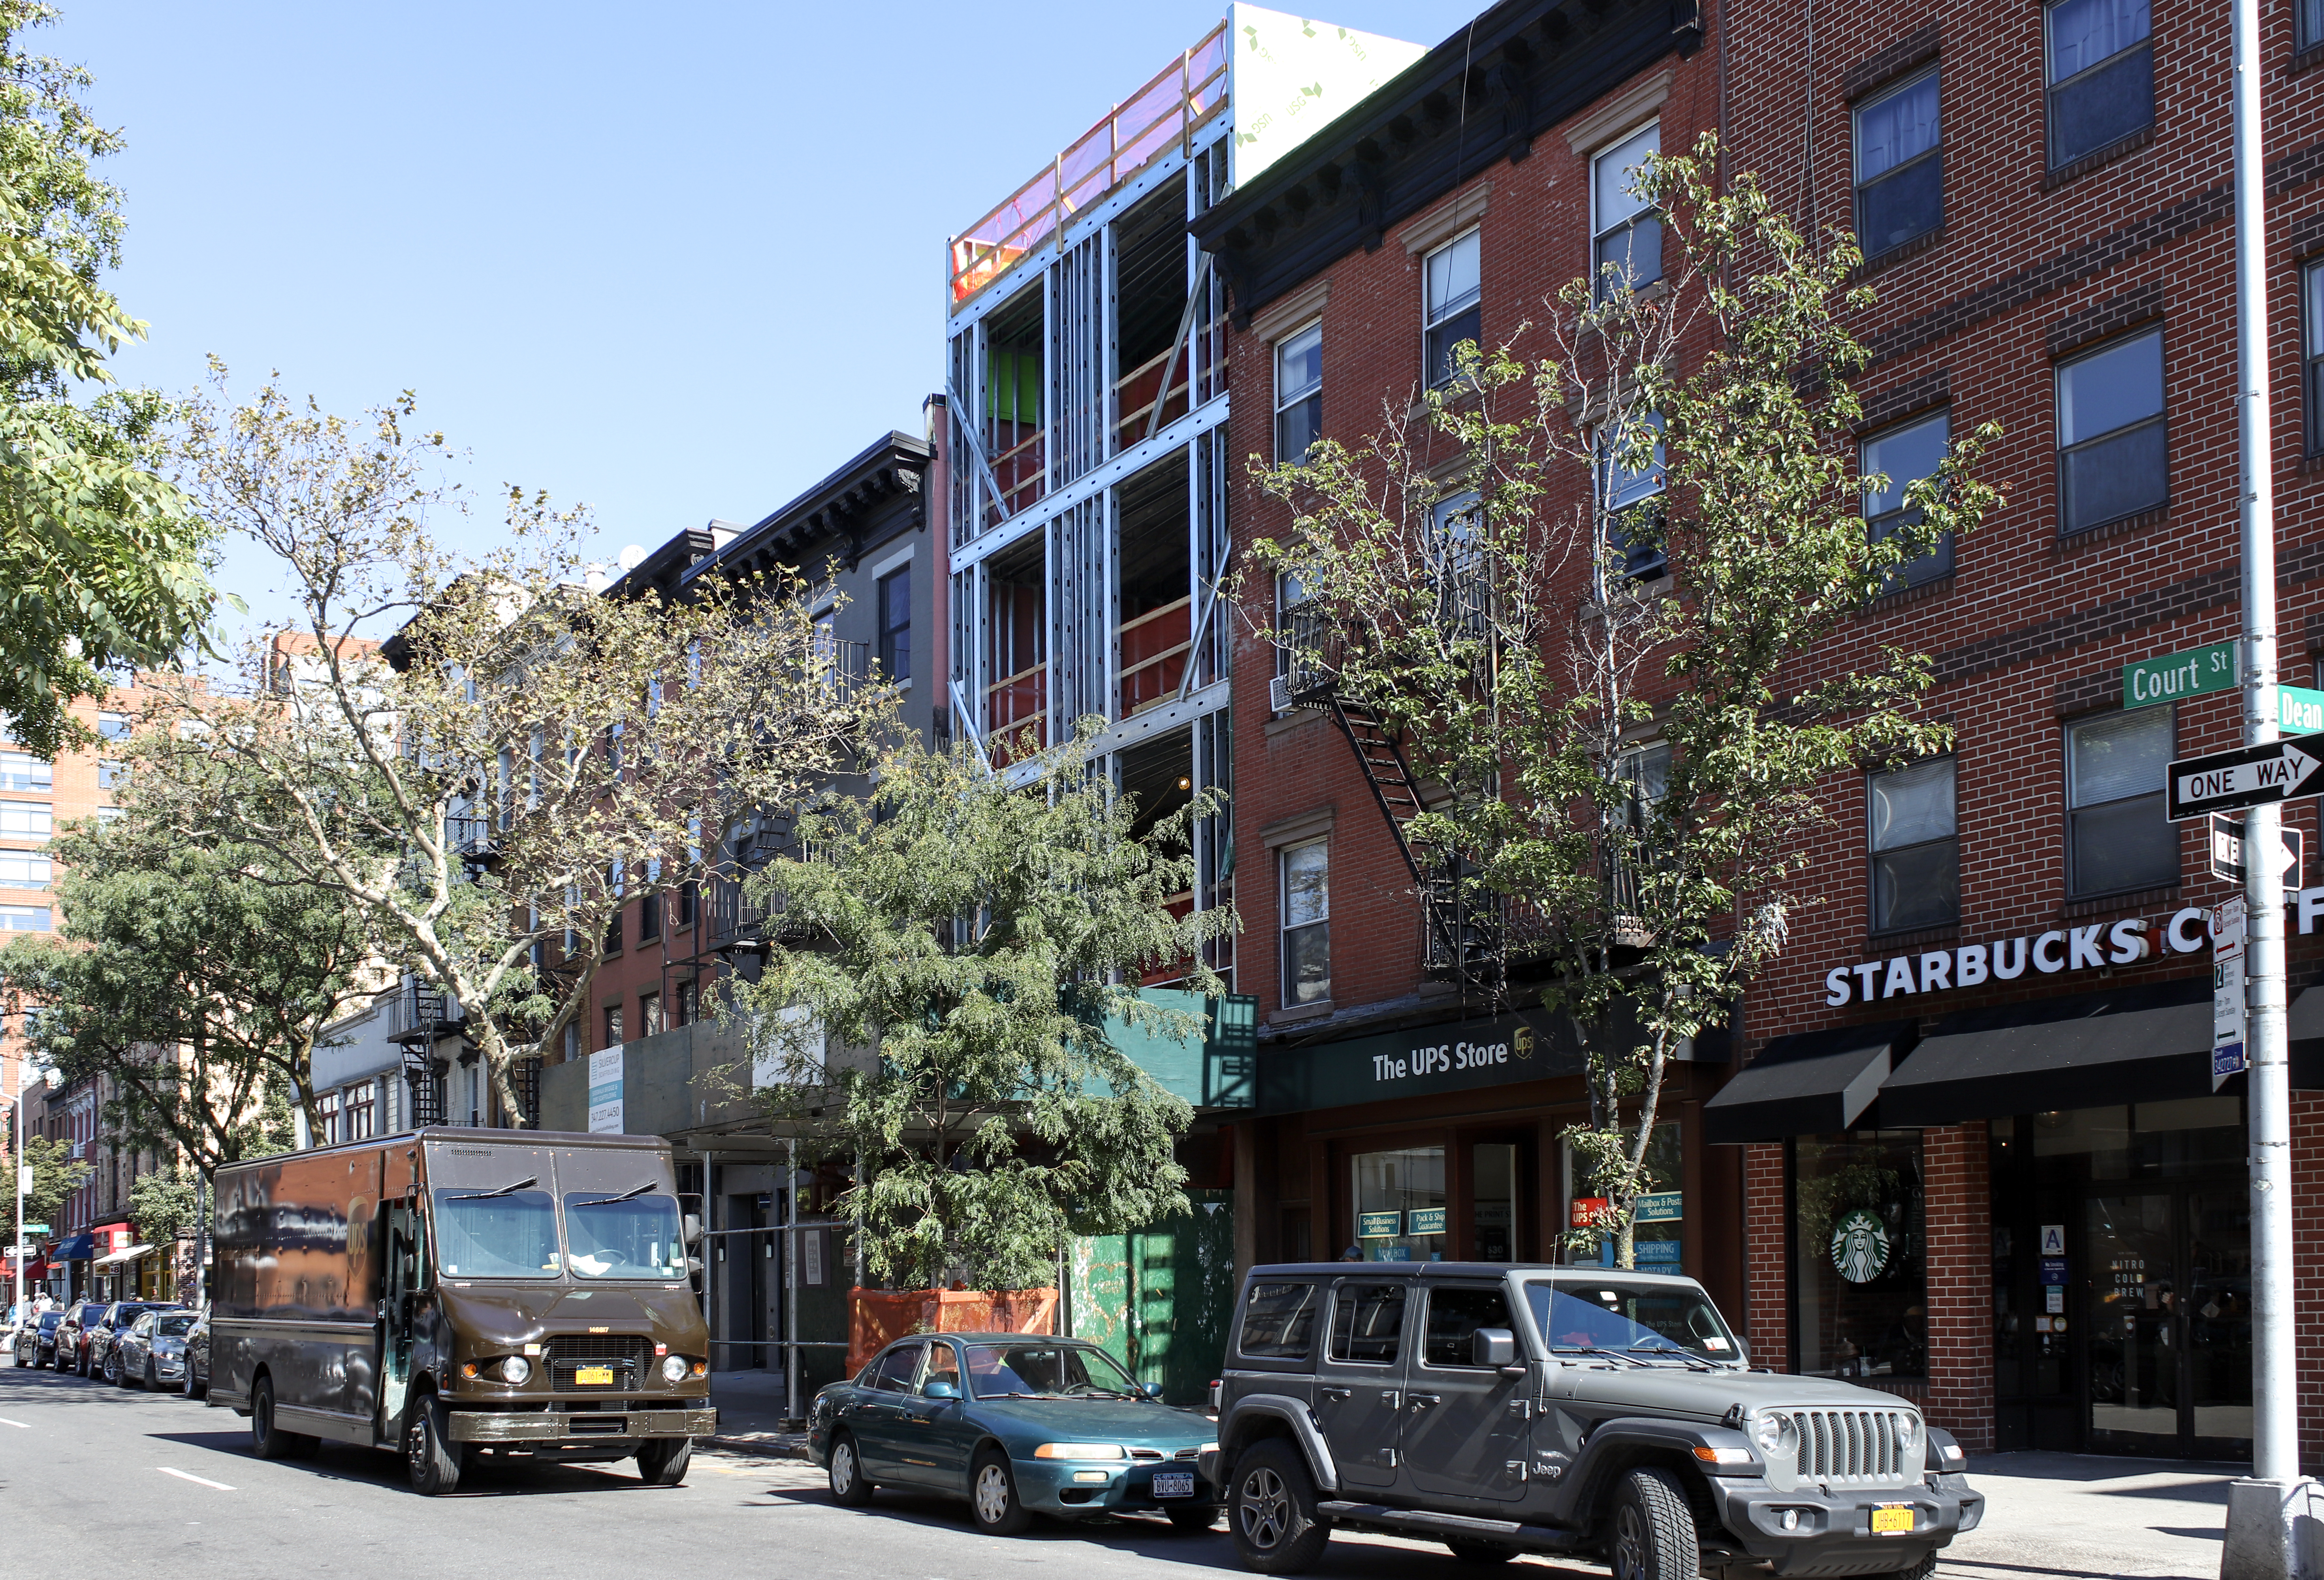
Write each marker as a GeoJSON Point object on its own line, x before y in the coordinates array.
{"type": "Point", "coordinates": [877, 1316]}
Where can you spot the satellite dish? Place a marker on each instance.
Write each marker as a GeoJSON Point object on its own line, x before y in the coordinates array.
{"type": "Point", "coordinates": [631, 557]}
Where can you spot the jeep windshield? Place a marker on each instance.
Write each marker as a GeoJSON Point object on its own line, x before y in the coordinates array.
{"type": "Point", "coordinates": [1607, 1313]}
{"type": "Point", "coordinates": [1045, 1371]}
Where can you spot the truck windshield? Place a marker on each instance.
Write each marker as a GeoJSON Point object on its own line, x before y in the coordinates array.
{"type": "Point", "coordinates": [496, 1234]}
{"type": "Point", "coordinates": [1607, 1312]}
{"type": "Point", "coordinates": [620, 1235]}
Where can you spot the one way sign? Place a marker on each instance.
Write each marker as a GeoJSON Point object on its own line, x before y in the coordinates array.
{"type": "Point", "coordinates": [2248, 776]}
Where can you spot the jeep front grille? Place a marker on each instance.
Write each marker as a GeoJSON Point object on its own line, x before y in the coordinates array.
{"type": "Point", "coordinates": [1853, 1448]}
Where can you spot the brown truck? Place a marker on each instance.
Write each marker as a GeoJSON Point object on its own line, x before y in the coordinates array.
{"type": "Point", "coordinates": [524, 1295]}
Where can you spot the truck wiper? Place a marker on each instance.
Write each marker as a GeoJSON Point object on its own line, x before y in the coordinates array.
{"type": "Point", "coordinates": [528, 1179]}
{"type": "Point", "coordinates": [607, 1201]}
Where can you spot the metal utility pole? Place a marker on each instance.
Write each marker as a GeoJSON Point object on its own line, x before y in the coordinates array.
{"type": "Point", "coordinates": [2262, 1511]}
{"type": "Point", "coordinates": [23, 1178]}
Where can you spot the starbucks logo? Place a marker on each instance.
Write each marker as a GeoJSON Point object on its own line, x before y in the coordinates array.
{"type": "Point", "coordinates": [1859, 1247]}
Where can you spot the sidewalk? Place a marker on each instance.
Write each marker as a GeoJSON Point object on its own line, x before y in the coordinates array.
{"type": "Point", "coordinates": [750, 1405]}
{"type": "Point", "coordinates": [2093, 1517]}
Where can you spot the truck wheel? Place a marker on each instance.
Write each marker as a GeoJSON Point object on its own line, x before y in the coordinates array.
{"type": "Point", "coordinates": [662, 1461]}
{"type": "Point", "coordinates": [431, 1459]}
{"type": "Point", "coordinates": [267, 1440]}
{"type": "Point", "coordinates": [1271, 1513]}
{"type": "Point", "coordinates": [1654, 1530]}
{"type": "Point", "coordinates": [849, 1489]}
{"type": "Point", "coordinates": [1478, 1552]}
{"type": "Point", "coordinates": [992, 1500]}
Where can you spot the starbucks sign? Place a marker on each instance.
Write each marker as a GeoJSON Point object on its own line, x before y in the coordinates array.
{"type": "Point", "coordinates": [1859, 1247]}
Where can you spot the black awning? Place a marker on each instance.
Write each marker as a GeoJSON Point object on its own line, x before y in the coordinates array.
{"type": "Point", "coordinates": [1814, 1082]}
{"type": "Point", "coordinates": [2146, 1044]}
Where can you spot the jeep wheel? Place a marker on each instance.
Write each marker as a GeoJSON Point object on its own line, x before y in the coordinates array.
{"type": "Point", "coordinates": [1923, 1570]}
{"type": "Point", "coordinates": [1271, 1513]}
{"type": "Point", "coordinates": [1652, 1536]}
{"type": "Point", "coordinates": [1478, 1552]}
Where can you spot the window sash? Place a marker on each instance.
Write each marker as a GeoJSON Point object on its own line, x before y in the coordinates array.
{"type": "Point", "coordinates": [2096, 776]}
{"type": "Point", "coordinates": [1899, 128]}
{"type": "Point", "coordinates": [1453, 274]}
{"type": "Point", "coordinates": [2139, 30]}
{"type": "Point", "coordinates": [2086, 114]}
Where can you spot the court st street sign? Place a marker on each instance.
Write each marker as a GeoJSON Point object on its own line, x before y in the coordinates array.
{"type": "Point", "coordinates": [2175, 677]}
{"type": "Point", "coordinates": [2248, 776]}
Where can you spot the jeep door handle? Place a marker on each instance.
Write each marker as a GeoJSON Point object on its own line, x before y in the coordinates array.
{"type": "Point", "coordinates": [1421, 1401]}
{"type": "Point", "coordinates": [1336, 1394]}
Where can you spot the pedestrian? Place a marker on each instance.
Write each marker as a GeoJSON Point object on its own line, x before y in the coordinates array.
{"type": "Point", "coordinates": [1352, 1253]}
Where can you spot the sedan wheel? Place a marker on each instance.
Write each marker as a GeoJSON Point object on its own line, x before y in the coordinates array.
{"type": "Point", "coordinates": [993, 1497]}
{"type": "Point", "coordinates": [848, 1487]}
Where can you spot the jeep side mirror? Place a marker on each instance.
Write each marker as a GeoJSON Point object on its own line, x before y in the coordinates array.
{"type": "Point", "coordinates": [1493, 1346]}
{"type": "Point", "coordinates": [692, 1229]}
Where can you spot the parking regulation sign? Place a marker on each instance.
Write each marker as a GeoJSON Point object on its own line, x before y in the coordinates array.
{"type": "Point", "coordinates": [2229, 1054]}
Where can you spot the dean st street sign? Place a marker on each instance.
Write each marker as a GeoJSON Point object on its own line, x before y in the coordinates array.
{"type": "Point", "coordinates": [2248, 776]}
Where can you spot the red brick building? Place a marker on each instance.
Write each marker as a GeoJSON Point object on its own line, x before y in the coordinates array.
{"type": "Point", "coordinates": [1968, 1135]}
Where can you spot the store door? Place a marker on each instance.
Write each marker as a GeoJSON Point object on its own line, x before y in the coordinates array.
{"type": "Point", "coordinates": [2166, 1322]}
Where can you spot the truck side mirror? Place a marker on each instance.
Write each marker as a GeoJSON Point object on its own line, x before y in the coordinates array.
{"type": "Point", "coordinates": [1493, 1346]}
{"type": "Point", "coordinates": [692, 1267]}
{"type": "Point", "coordinates": [691, 1227]}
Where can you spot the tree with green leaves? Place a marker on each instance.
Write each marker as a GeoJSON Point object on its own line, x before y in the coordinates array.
{"type": "Point", "coordinates": [192, 972]}
{"type": "Point", "coordinates": [980, 937]}
{"type": "Point", "coordinates": [163, 1206]}
{"type": "Point", "coordinates": [56, 1174]}
{"type": "Point", "coordinates": [1605, 592]}
{"type": "Point", "coordinates": [101, 557]}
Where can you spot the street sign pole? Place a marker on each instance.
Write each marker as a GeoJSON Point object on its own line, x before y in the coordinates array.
{"type": "Point", "coordinates": [2263, 1511]}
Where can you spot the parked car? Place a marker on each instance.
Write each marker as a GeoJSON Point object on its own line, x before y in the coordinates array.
{"type": "Point", "coordinates": [36, 1341]}
{"type": "Point", "coordinates": [107, 1331]}
{"type": "Point", "coordinates": [72, 1335]}
{"type": "Point", "coordinates": [152, 1352]}
{"type": "Point", "coordinates": [196, 1369]}
{"type": "Point", "coordinates": [1015, 1425]}
{"type": "Point", "coordinates": [1584, 1412]}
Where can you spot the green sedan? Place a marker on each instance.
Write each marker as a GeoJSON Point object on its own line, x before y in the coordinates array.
{"type": "Point", "coordinates": [1015, 1425]}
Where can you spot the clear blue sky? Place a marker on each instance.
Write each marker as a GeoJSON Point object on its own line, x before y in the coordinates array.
{"type": "Point", "coordinates": [677, 261]}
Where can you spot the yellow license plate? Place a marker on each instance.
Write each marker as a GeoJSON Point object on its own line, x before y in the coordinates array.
{"type": "Point", "coordinates": [602, 1377]}
{"type": "Point", "coordinates": [1893, 1522]}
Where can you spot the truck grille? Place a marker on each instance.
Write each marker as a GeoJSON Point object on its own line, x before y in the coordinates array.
{"type": "Point", "coordinates": [1854, 1448]}
{"type": "Point", "coordinates": [568, 1353]}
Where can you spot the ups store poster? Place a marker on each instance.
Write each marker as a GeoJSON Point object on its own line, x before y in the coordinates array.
{"type": "Point", "coordinates": [1532, 1045]}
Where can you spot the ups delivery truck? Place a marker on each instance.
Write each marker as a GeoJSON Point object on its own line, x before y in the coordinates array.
{"type": "Point", "coordinates": [449, 1293]}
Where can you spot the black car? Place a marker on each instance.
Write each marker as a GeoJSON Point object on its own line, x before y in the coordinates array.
{"type": "Point", "coordinates": [36, 1341]}
{"type": "Point", "coordinates": [96, 1341]}
{"type": "Point", "coordinates": [72, 1335]}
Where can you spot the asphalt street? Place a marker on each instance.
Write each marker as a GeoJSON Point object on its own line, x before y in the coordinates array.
{"type": "Point", "coordinates": [139, 1485]}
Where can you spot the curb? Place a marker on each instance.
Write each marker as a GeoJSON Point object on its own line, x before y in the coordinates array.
{"type": "Point", "coordinates": [760, 1447]}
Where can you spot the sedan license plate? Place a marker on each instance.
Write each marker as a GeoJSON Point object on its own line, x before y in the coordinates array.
{"type": "Point", "coordinates": [1174, 1484]}
{"type": "Point", "coordinates": [602, 1377]}
{"type": "Point", "coordinates": [1892, 1520]}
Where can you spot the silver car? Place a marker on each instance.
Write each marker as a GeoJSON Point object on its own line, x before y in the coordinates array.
{"type": "Point", "coordinates": [152, 1351]}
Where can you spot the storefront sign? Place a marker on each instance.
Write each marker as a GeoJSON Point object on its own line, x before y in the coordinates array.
{"type": "Point", "coordinates": [605, 1092]}
{"type": "Point", "coordinates": [1394, 1253]}
{"type": "Point", "coordinates": [1424, 1221]}
{"type": "Point", "coordinates": [1584, 1211]}
{"type": "Point", "coordinates": [2054, 1238]}
{"type": "Point", "coordinates": [2229, 1002]}
{"type": "Point", "coordinates": [2053, 1269]}
{"type": "Point", "coordinates": [1529, 1047]}
{"type": "Point", "coordinates": [1859, 1246]}
{"type": "Point", "coordinates": [2173, 676]}
{"type": "Point", "coordinates": [1379, 1226]}
{"type": "Point", "coordinates": [1655, 1253]}
{"type": "Point", "coordinates": [1660, 1208]}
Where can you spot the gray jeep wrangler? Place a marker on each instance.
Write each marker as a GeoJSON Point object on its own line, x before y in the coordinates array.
{"type": "Point", "coordinates": [1609, 1415]}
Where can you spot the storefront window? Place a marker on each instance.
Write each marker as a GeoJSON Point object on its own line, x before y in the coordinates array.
{"type": "Point", "coordinates": [1400, 1204]}
{"type": "Point", "coordinates": [1859, 1278]}
{"type": "Point", "coordinates": [1493, 1186]}
{"type": "Point", "coordinates": [1660, 1219]}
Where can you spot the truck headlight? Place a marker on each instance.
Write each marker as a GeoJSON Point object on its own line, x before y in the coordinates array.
{"type": "Point", "coordinates": [515, 1369]}
{"type": "Point", "coordinates": [673, 1369]}
{"type": "Point", "coordinates": [1775, 1436]}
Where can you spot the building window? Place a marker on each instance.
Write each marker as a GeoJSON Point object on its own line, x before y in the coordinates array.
{"type": "Point", "coordinates": [1631, 531]}
{"type": "Point", "coordinates": [113, 726]}
{"type": "Point", "coordinates": [1307, 924]}
{"type": "Point", "coordinates": [20, 771]}
{"type": "Point", "coordinates": [1453, 311]}
{"type": "Point", "coordinates": [2114, 451]}
{"type": "Point", "coordinates": [649, 1014]}
{"type": "Point", "coordinates": [1916, 848]}
{"type": "Point", "coordinates": [2312, 23]}
{"type": "Point", "coordinates": [2311, 296]}
{"type": "Point", "coordinates": [612, 1025]}
{"type": "Point", "coordinates": [1626, 230]}
{"type": "Point", "coordinates": [1906, 456]}
{"type": "Point", "coordinates": [2101, 75]}
{"type": "Point", "coordinates": [1298, 394]}
{"type": "Point", "coordinates": [649, 917]}
{"type": "Point", "coordinates": [896, 624]}
{"type": "Point", "coordinates": [26, 820]}
{"type": "Point", "coordinates": [24, 919]}
{"type": "Point", "coordinates": [2117, 838]}
{"type": "Point", "coordinates": [1400, 1203]}
{"type": "Point", "coordinates": [327, 1119]}
{"type": "Point", "coordinates": [614, 932]}
{"type": "Point", "coordinates": [112, 776]}
{"type": "Point", "coordinates": [1900, 172]}
{"type": "Point", "coordinates": [1859, 1277]}
{"type": "Point", "coordinates": [362, 1111]}
{"type": "Point", "coordinates": [689, 1002]}
{"type": "Point", "coordinates": [20, 871]}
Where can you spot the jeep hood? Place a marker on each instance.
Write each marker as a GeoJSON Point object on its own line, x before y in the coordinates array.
{"type": "Point", "coordinates": [1677, 1391]}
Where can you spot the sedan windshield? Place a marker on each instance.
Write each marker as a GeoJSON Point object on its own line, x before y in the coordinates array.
{"type": "Point", "coordinates": [496, 1234]}
{"type": "Point", "coordinates": [1045, 1371]}
{"type": "Point", "coordinates": [174, 1327]}
{"type": "Point", "coordinates": [618, 1236]}
{"type": "Point", "coordinates": [1609, 1312]}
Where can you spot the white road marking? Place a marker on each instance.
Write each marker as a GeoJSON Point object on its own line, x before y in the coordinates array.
{"type": "Point", "coordinates": [25, 1425]}
{"type": "Point", "coordinates": [186, 1475]}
